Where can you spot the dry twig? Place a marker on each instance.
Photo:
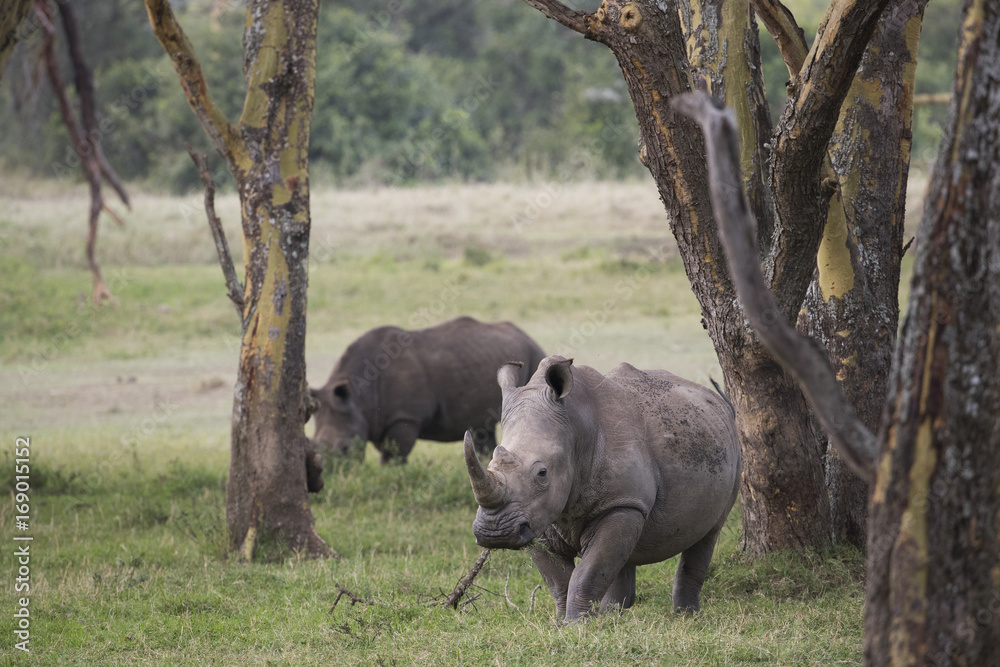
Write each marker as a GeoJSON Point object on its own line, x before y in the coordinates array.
{"type": "Point", "coordinates": [466, 581]}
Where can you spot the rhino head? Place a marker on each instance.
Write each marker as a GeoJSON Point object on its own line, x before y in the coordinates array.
{"type": "Point", "coordinates": [341, 427]}
{"type": "Point", "coordinates": [526, 485]}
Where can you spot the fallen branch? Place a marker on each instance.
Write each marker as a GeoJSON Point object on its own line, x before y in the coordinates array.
{"type": "Point", "coordinates": [507, 597]}
{"type": "Point", "coordinates": [531, 603]}
{"type": "Point", "coordinates": [466, 581]}
{"type": "Point", "coordinates": [355, 599]}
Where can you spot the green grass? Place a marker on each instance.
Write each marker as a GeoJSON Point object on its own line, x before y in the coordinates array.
{"type": "Point", "coordinates": [128, 408]}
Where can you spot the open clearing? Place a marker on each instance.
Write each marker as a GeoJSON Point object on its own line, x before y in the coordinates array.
{"type": "Point", "coordinates": [127, 407]}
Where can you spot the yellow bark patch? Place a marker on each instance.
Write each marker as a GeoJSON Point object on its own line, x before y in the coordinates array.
{"type": "Point", "coordinates": [833, 260]}
{"type": "Point", "coordinates": [246, 551]}
{"type": "Point", "coordinates": [265, 66]}
{"type": "Point", "coordinates": [908, 578]}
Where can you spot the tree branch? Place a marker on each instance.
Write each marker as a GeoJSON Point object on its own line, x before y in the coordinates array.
{"type": "Point", "coordinates": [810, 116]}
{"type": "Point", "coordinates": [786, 32]}
{"type": "Point", "coordinates": [234, 289]}
{"type": "Point", "coordinates": [557, 11]}
{"type": "Point", "coordinates": [466, 581]}
{"type": "Point", "coordinates": [795, 352]}
{"type": "Point", "coordinates": [168, 31]}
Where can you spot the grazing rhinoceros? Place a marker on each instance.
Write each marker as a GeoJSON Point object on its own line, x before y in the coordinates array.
{"type": "Point", "coordinates": [620, 470]}
{"type": "Point", "coordinates": [393, 386]}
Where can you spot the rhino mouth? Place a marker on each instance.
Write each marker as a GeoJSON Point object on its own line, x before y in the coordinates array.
{"type": "Point", "coordinates": [502, 530]}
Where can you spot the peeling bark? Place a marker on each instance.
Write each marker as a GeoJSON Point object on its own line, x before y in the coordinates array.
{"type": "Point", "coordinates": [852, 306]}
{"type": "Point", "coordinates": [934, 545]}
{"type": "Point", "coordinates": [267, 152]}
{"type": "Point", "coordinates": [933, 572]}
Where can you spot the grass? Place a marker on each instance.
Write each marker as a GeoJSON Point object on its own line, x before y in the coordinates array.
{"type": "Point", "coordinates": [128, 408]}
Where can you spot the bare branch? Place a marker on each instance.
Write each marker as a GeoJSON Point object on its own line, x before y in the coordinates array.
{"type": "Point", "coordinates": [786, 32]}
{"type": "Point", "coordinates": [506, 596]}
{"type": "Point", "coordinates": [234, 289]}
{"type": "Point", "coordinates": [82, 145]}
{"type": "Point", "coordinates": [557, 11]}
{"type": "Point", "coordinates": [466, 581]}
{"type": "Point", "coordinates": [531, 603]}
{"type": "Point", "coordinates": [795, 352]}
{"type": "Point", "coordinates": [355, 599]}
{"type": "Point", "coordinates": [168, 31]}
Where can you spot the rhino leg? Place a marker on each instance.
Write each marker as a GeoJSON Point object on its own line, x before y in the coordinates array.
{"type": "Point", "coordinates": [555, 569]}
{"type": "Point", "coordinates": [621, 594]}
{"type": "Point", "coordinates": [691, 570]}
{"type": "Point", "coordinates": [607, 546]}
{"type": "Point", "coordinates": [398, 442]}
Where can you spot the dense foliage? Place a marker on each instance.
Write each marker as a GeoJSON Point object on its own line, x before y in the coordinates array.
{"type": "Point", "coordinates": [405, 92]}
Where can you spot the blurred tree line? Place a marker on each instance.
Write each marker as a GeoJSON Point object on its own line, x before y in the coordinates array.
{"type": "Point", "coordinates": [406, 91]}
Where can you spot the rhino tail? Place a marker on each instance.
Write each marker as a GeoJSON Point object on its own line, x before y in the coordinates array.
{"type": "Point", "coordinates": [722, 393]}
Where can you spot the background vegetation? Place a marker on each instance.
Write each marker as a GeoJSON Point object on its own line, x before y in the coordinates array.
{"type": "Point", "coordinates": [128, 410]}
{"type": "Point", "coordinates": [406, 91]}
{"type": "Point", "coordinates": [128, 405]}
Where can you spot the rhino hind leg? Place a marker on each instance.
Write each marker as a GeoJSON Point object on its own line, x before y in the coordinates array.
{"type": "Point", "coordinates": [691, 571]}
{"type": "Point", "coordinates": [398, 442]}
{"type": "Point", "coordinates": [621, 594]}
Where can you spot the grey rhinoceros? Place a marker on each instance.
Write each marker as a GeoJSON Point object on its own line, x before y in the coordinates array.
{"type": "Point", "coordinates": [393, 386]}
{"type": "Point", "coordinates": [618, 470]}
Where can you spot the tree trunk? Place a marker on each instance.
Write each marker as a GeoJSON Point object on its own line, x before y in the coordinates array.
{"type": "Point", "coordinates": [267, 152]}
{"type": "Point", "coordinates": [852, 306]}
{"type": "Point", "coordinates": [934, 544]}
{"type": "Point", "coordinates": [785, 504]}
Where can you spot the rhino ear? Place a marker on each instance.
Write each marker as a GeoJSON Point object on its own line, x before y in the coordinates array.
{"type": "Point", "coordinates": [559, 377]}
{"type": "Point", "coordinates": [341, 390]}
{"type": "Point", "coordinates": [508, 375]}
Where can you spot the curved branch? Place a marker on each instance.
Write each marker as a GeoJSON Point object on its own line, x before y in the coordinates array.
{"type": "Point", "coordinates": [786, 32]}
{"type": "Point", "coordinates": [234, 289]}
{"type": "Point", "coordinates": [170, 35]}
{"type": "Point", "coordinates": [795, 352]}
{"type": "Point", "coordinates": [557, 11]}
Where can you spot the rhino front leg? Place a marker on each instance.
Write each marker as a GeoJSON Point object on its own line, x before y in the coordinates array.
{"type": "Point", "coordinates": [691, 570]}
{"type": "Point", "coordinates": [622, 591]}
{"type": "Point", "coordinates": [607, 546]}
{"type": "Point", "coordinates": [398, 442]}
{"type": "Point", "coordinates": [556, 571]}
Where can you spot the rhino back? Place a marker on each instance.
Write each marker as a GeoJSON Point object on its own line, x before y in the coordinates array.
{"type": "Point", "coordinates": [460, 359]}
{"type": "Point", "coordinates": [676, 440]}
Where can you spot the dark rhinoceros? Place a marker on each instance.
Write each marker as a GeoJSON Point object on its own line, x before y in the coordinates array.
{"type": "Point", "coordinates": [618, 470]}
{"type": "Point", "coordinates": [393, 386]}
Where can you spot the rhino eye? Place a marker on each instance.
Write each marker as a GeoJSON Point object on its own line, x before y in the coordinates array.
{"type": "Point", "coordinates": [542, 472]}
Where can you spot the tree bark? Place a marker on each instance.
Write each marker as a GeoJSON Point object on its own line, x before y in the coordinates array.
{"type": "Point", "coordinates": [934, 545]}
{"type": "Point", "coordinates": [852, 306]}
{"type": "Point", "coordinates": [933, 580]}
{"type": "Point", "coordinates": [267, 153]}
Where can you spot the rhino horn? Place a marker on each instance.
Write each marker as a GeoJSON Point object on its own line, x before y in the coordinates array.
{"type": "Point", "coordinates": [486, 485]}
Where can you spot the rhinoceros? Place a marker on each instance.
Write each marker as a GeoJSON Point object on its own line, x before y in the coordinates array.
{"type": "Point", "coordinates": [393, 386]}
{"type": "Point", "coordinates": [618, 470]}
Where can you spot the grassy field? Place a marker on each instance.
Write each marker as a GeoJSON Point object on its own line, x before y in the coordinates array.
{"type": "Point", "coordinates": [128, 406]}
